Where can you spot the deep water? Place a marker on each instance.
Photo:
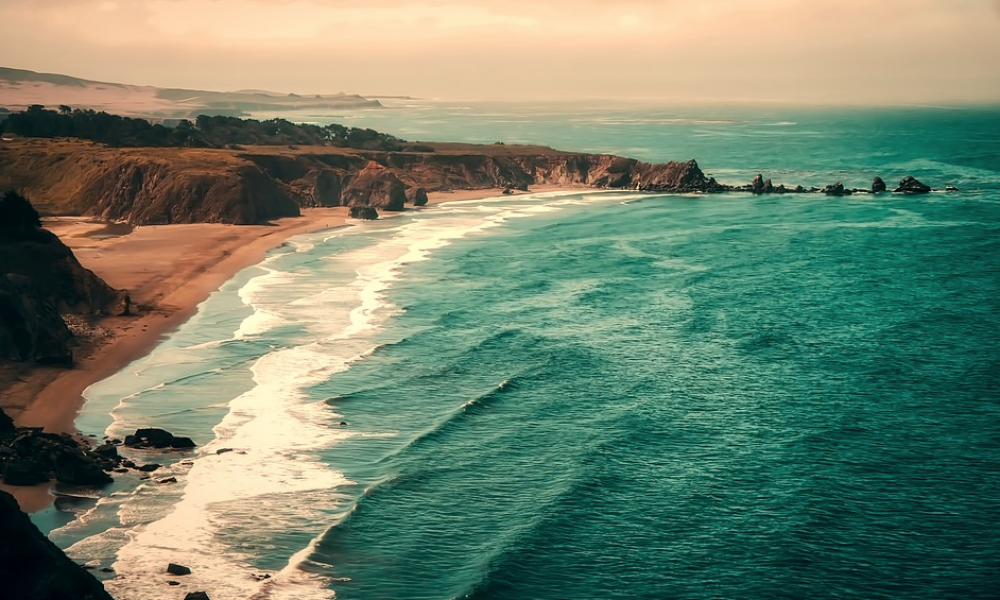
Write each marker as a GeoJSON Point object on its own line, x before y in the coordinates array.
{"type": "Point", "coordinates": [597, 395]}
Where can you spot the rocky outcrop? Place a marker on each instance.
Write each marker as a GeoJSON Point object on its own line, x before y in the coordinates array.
{"type": "Point", "coordinates": [910, 185]}
{"type": "Point", "coordinates": [28, 456]}
{"type": "Point", "coordinates": [366, 213]}
{"type": "Point", "coordinates": [375, 186]}
{"type": "Point", "coordinates": [417, 196]}
{"type": "Point", "coordinates": [836, 189]}
{"type": "Point", "coordinates": [878, 186]}
{"type": "Point", "coordinates": [33, 567]}
{"type": "Point", "coordinates": [40, 279]}
{"type": "Point", "coordinates": [157, 438]}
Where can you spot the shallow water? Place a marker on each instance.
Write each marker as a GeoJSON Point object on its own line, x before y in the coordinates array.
{"type": "Point", "coordinates": [596, 394]}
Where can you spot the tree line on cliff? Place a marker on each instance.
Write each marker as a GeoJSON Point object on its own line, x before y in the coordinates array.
{"type": "Point", "coordinates": [205, 132]}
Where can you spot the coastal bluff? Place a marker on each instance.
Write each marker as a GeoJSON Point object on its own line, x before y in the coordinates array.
{"type": "Point", "coordinates": [255, 184]}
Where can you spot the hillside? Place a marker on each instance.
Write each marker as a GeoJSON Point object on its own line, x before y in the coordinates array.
{"type": "Point", "coordinates": [21, 88]}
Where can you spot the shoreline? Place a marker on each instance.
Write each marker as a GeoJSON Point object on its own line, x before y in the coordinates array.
{"type": "Point", "coordinates": [169, 270]}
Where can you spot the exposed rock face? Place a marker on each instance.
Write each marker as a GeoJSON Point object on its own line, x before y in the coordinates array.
{"type": "Point", "coordinates": [878, 186]}
{"type": "Point", "coordinates": [33, 567]}
{"type": "Point", "coordinates": [146, 192]}
{"type": "Point", "coordinates": [909, 185]}
{"type": "Point", "coordinates": [31, 329]}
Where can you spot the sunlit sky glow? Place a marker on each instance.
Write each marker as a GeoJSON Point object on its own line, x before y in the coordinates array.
{"type": "Point", "coordinates": [827, 51]}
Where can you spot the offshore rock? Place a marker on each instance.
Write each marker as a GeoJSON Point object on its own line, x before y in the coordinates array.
{"type": "Point", "coordinates": [157, 438]}
{"type": "Point", "coordinates": [836, 189]}
{"type": "Point", "coordinates": [910, 185]}
{"type": "Point", "coordinates": [757, 185]}
{"type": "Point", "coordinates": [33, 567]}
{"type": "Point", "coordinates": [878, 186]}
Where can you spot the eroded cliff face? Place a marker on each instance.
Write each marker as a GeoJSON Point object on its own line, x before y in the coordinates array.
{"type": "Point", "coordinates": [147, 186]}
{"type": "Point", "coordinates": [154, 192]}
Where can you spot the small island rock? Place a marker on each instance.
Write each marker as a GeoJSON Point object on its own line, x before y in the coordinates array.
{"type": "Point", "coordinates": [909, 185]}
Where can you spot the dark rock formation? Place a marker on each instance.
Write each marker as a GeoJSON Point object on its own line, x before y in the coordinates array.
{"type": "Point", "coordinates": [6, 425]}
{"type": "Point", "coordinates": [950, 188]}
{"type": "Point", "coordinates": [196, 596]}
{"type": "Point", "coordinates": [878, 186]}
{"type": "Point", "coordinates": [157, 438]}
{"type": "Point", "coordinates": [836, 189]}
{"type": "Point", "coordinates": [364, 212]}
{"type": "Point", "coordinates": [33, 567]}
{"type": "Point", "coordinates": [175, 569]}
{"type": "Point", "coordinates": [39, 279]}
{"type": "Point", "coordinates": [375, 186]}
{"type": "Point", "coordinates": [417, 196]}
{"type": "Point", "coordinates": [758, 184]}
{"type": "Point", "coordinates": [29, 456]}
{"type": "Point", "coordinates": [909, 185]}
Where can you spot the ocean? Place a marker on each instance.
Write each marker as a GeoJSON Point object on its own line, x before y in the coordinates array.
{"type": "Point", "coordinates": [593, 394]}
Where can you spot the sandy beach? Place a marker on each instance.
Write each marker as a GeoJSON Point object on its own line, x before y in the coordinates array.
{"type": "Point", "coordinates": [168, 270]}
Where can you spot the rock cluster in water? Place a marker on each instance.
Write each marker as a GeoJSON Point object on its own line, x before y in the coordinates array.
{"type": "Point", "coordinates": [908, 185]}
{"type": "Point", "coordinates": [29, 456]}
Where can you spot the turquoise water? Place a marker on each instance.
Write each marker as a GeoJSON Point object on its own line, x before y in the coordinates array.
{"type": "Point", "coordinates": [600, 394]}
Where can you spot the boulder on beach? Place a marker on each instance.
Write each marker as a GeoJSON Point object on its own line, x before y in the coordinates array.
{"type": "Point", "coordinates": [910, 185]}
{"type": "Point", "coordinates": [364, 212]}
{"type": "Point", "coordinates": [196, 596]}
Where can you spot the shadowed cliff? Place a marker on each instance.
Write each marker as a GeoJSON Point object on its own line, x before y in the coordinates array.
{"type": "Point", "coordinates": [40, 280]}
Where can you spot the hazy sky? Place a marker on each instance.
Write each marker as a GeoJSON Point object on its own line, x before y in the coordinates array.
{"type": "Point", "coordinates": [881, 51]}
